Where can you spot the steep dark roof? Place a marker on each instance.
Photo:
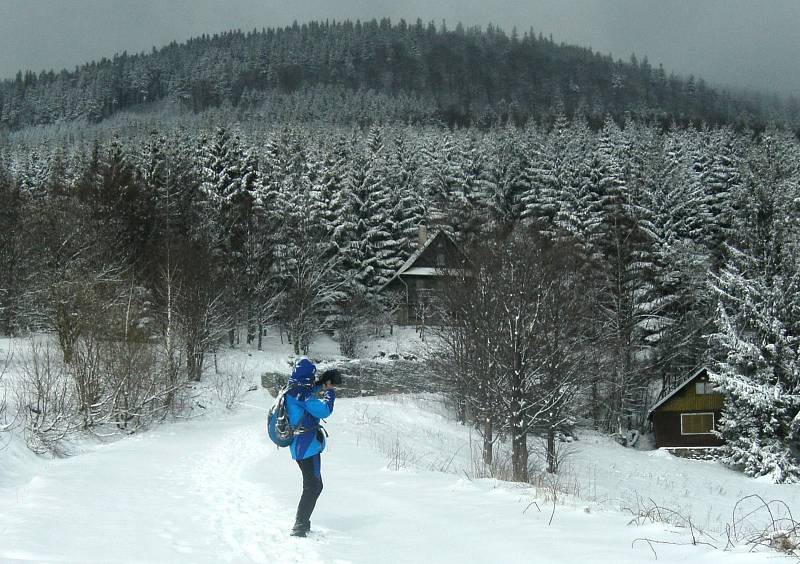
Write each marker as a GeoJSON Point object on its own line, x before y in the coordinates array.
{"type": "Point", "coordinates": [677, 390]}
{"type": "Point", "coordinates": [415, 257]}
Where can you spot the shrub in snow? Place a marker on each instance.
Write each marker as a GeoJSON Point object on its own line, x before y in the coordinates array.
{"type": "Point", "coordinates": [46, 400]}
{"type": "Point", "coordinates": [758, 522]}
{"type": "Point", "coordinates": [231, 384]}
{"type": "Point", "coordinates": [399, 455]}
{"type": "Point", "coordinates": [4, 424]}
{"type": "Point", "coordinates": [353, 325]}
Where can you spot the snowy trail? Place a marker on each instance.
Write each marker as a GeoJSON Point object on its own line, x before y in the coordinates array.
{"type": "Point", "coordinates": [176, 494]}
{"type": "Point", "coordinates": [216, 491]}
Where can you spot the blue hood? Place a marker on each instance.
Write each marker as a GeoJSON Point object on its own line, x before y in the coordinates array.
{"type": "Point", "coordinates": [303, 372]}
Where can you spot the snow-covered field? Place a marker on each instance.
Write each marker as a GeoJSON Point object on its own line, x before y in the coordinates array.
{"type": "Point", "coordinates": [399, 487]}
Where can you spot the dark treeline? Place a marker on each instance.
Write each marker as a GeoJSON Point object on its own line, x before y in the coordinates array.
{"type": "Point", "coordinates": [690, 237]}
{"type": "Point", "coordinates": [379, 72]}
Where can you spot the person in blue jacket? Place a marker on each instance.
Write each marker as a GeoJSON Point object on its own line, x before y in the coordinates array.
{"type": "Point", "coordinates": [306, 409]}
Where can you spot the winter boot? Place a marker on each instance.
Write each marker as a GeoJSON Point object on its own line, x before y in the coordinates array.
{"type": "Point", "coordinates": [301, 528]}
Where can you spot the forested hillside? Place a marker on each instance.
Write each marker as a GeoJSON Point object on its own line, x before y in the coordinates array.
{"type": "Point", "coordinates": [374, 72]}
{"type": "Point", "coordinates": [279, 177]}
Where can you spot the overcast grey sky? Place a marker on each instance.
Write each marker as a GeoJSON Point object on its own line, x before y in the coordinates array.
{"type": "Point", "coordinates": [743, 43]}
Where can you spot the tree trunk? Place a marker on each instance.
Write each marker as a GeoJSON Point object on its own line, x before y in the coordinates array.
{"type": "Point", "coordinates": [194, 364]}
{"type": "Point", "coordinates": [191, 364]}
{"type": "Point", "coordinates": [519, 440]}
{"type": "Point", "coordinates": [519, 455]}
{"type": "Point", "coordinates": [461, 410]}
{"type": "Point", "coordinates": [485, 420]}
{"type": "Point", "coordinates": [552, 459]}
{"type": "Point", "coordinates": [199, 362]}
{"type": "Point", "coordinates": [260, 334]}
{"type": "Point", "coordinates": [251, 324]}
{"type": "Point", "coordinates": [487, 440]}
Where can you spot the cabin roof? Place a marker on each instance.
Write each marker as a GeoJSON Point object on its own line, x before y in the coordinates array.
{"type": "Point", "coordinates": [677, 390]}
{"type": "Point", "coordinates": [408, 266]}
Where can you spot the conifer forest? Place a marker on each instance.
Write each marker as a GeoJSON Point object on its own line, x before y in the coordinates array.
{"type": "Point", "coordinates": [195, 194]}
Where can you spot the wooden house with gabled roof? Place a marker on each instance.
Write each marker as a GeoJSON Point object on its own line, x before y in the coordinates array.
{"type": "Point", "coordinates": [687, 416]}
{"type": "Point", "coordinates": [423, 275]}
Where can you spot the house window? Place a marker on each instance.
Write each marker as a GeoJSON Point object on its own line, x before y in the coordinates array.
{"type": "Point", "coordinates": [704, 388]}
{"type": "Point", "coordinates": [697, 423]}
{"type": "Point", "coordinates": [440, 260]}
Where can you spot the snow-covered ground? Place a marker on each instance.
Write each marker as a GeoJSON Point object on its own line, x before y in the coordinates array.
{"type": "Point", "coordinates": [399, 487]}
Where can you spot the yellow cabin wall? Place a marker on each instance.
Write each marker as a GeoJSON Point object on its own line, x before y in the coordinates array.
{"type": "Point", "coordinates": [689, 400]}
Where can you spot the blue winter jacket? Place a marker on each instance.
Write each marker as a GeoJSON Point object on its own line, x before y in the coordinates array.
{"type": "Point", "coordinates": [304, 408]}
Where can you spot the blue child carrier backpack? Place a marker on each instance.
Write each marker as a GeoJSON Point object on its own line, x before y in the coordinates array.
{"type": "Point", "coordinates": [279, 428]}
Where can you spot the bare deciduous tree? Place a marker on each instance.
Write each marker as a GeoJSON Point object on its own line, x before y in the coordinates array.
{"type": "Point", "coordinates": [83, 305]}
{"type": "Point", "coordinates": [513, 330]}
{"type": "Point", "coordinates": [465, 340]}
{"type": "Point", "coordinates": [193, 316]}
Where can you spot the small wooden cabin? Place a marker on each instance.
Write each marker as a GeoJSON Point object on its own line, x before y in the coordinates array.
{"type": "Point", "coordinates": [421, 276]}
{"type": "Point", "coordinates": [686, 416]}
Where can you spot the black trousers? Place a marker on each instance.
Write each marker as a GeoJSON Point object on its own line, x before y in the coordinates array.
{"type": "Point", "coordinates": [312, 487]}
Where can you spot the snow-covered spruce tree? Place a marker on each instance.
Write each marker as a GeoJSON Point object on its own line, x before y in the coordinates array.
{"type": "Point", "coordinates": [121, 206]}
{"type": "Point", "coordinates": [580, 214]}
{"type": "Point", "coordinates": [672, 263]}
{"type": "Point", "coordinates": [339, 215]}
{"type": "Point", "coordinates": [757, 369]}
{"type": "Point", "coordinates": [506, 155]}
{"type": "Point", "coordinates": [755, 346]}
{"type": "Point", "coordinates": [327, 202]}
{"type": "Point", "coordinates": [246, 217]}
{"type": "Point", "coordinates": [354, 227]}
{"type": "Point", "coordinates": [305, 269]}
{"type": "Point", "coordinates": [282, 168]}
{"type": "Point", "coordinates": [597, 217]}
{"type": "Point", "coordinates": [719, 184]}
{"type": "Point", "coordinates": [477, 186]}
{"type": "Point", "coordinates": [381, 200]}
{"type": "Point", "coordinates": [405, 181]}
{"type": "Point", "coordinates": [366, 224]}
{"type": "Point", "coordinates": [547, 176]}
{"type": "Point", "coordinates": [231, 191]}
{"type": "Point", "coordinates": [443, 179]}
